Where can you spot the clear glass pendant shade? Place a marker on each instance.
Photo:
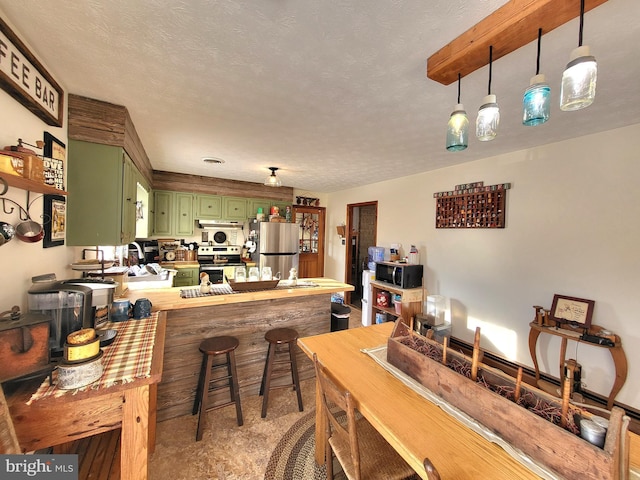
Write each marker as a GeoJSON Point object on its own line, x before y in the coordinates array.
{"type": "Point", "coordinates": [488, 119]}
{"type": "Point", "coordinates": [536, 102]}
{"type": "Point", "coordinates": [458, 129]}
{"type": "Point", "coordinates": [579, 80]}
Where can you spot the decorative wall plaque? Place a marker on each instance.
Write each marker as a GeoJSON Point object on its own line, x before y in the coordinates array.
{"type": "Point", "coordinates": [472, 205]}
{"type": "Point", "coordinates": [26, 80]}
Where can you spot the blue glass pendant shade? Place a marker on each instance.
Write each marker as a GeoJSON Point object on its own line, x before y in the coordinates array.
{"type": "Point", "coordinates": [458, 129]}
{"type": "Point", "coordinates": [536, 102]}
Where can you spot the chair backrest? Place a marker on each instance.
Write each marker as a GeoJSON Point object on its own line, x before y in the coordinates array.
{"type": "Point", "coordinates": [330, 393]}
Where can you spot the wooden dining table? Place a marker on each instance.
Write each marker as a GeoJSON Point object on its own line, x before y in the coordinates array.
{"type": "Point", "coordinates": [44, 415]}
{"type": "Point", "coordinates": [415, 427]}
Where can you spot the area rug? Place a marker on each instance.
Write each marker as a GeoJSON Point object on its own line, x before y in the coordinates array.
{"type": "Point", "coordinates": [293, 458]}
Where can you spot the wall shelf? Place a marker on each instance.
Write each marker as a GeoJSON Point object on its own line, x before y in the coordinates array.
{"type": "Point", "coordinates": [472, 206]}
{"type": "Point", "coordinates": [29, 185]}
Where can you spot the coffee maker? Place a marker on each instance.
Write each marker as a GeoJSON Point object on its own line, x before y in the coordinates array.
{"type": "Point", "coordinates": [68, 307]}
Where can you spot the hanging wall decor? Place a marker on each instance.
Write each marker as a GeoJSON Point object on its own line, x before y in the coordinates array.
{"type": "Point", "coordinates": [54, 154]}
{"type": "Point", "coordinates": [55, 220]}
{"type": "Point", "coordinates": [26, 80]}
{"type": "Point", "coordinates": [472, 205]}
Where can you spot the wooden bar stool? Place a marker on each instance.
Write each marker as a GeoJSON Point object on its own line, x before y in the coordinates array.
{"type": "Point", "coordinates": [276, 337]}
{"type": "Point", "coordinates": [210, 347]}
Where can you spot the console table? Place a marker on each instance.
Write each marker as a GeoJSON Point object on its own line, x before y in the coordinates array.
{"type": "Point", "coordinates": [616, 351]}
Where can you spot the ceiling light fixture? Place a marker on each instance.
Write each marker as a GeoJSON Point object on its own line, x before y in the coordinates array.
{"type": "Point", "coordinates": [215, 160]}
{"type": "Point", "coordinates": [273, 180]}
{"type": "Point", "coordinates": [458, 126]}
{"type": "Point", "coordinates": [489, 114]}
{"type": "Point", "coordinates": [537, 97]}
{"type": "Point", "coordinates": [579, 78]}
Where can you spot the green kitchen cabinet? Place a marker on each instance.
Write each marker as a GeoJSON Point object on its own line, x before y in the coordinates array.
{"type": "Point", "coordinates": [172, 213]}
{"type": "Point", "coordinates": [186, 277]}
{"type": "Point", "coordinates": [253, 204]}
{"type": "Point", "coordinates": [208, 207]}
{"type": "Point", "coordinates": [163, 212]}
{"type": "Point", "coordinates": [234, 208]}
{"type": "Point", "coordinates": [184, 214]}
{"type": "Point", "coordinates": [101, 204]}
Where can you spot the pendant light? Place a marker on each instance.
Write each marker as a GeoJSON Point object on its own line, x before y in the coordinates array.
{"type": "Point", "coordinates": [489, 114]}
{"type": "Point", "coordinates": [579, 78]}
{"type": "Point", "coordinates": [537, 97]}
{"type": "Point", "coordinates": [273, 180]}
{"type": "Point", "coordinates": [458, 127]}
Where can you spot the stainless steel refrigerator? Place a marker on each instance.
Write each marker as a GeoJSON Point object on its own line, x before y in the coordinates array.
{"type": "Point", "coordinates": [277, 246]}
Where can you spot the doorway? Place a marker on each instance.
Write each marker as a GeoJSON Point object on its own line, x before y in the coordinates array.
{"type": "Point", "coordinates": [362, 228]}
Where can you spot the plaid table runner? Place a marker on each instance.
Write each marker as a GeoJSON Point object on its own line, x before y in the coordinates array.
{"type": "Point", "coordinates": [225, 289]}
{"type": "Point", "coordinates": [125, 360]}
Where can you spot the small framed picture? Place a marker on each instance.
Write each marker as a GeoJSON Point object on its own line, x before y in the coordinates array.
{"type": "Point", "coordinates": [575, 311]}
{"type": "Point", "coordinates": [55, 220]}
{"type": "Point", "coordinates": [54, 156]}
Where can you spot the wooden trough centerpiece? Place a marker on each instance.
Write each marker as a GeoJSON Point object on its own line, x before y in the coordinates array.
{"type": "Point", "coordinates": [494, 399]}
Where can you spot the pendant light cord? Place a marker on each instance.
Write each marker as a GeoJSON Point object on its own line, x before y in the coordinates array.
{"type": "Point", "coordinates": [459, 77]}
{"type": "Point", "coordinates": [581, 22]}
{"type": "Point", "coordinates": [490, 66]}
{"type": "Point", "coordinates": [538, 57]}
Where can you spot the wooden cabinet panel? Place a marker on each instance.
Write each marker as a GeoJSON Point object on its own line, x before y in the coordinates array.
{"type": "Point", "coordinates": [100, 179]}
{"type": "Point", "coordinates": [186, 277]}
{"type": "Point", "coordinates": [184, 214]}
{"type": "Point", "coordinates": [209, 207]}
{"type": "Point", "coordinates": [234, 208]}
{"type": "Point", "coordinates": [162, 212]}
{"type": "Point", "coordinates": [254, 203]}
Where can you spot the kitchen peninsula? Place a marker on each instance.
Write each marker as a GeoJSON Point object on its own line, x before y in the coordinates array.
{"type": "Point", "coordinates": [247, 316]}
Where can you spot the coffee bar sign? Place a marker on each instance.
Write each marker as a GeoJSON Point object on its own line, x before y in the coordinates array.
{"type": "Point", "coordinates": [26, 80]}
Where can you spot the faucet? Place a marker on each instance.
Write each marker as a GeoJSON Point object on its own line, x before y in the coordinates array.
{"type": "Point", "coordinates": [139, 248]}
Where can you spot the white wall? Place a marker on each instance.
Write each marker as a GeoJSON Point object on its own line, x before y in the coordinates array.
{"type": "Point", "coordinates": [20, 261]}
{"type": "Point", "coordinates": [572, 228]}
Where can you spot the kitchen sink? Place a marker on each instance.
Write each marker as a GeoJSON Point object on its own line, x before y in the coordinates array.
{"type": "Point", "coordinates": [162, 280]}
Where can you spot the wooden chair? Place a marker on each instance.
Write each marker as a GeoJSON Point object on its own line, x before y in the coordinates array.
{"type": "Point", "coordinates": [8, 440]}
{"type": "Point", "coordinates": [362, 452]}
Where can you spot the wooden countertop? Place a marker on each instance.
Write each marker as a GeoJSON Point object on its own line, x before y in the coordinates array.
{"type": "Point", "coordinates": [169, 298]}
{"type": "Point", "coordinates": [180, 264]}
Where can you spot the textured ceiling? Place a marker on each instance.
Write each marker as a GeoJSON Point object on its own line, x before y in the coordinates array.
{"type": "Point", "coordinates": [333, 92]}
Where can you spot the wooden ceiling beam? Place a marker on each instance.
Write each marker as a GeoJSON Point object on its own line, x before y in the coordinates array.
{"type": "Point", "coordinates": [510, 27]}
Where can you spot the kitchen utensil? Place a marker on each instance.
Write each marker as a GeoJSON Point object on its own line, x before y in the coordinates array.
{"type": "Point", "coordinates": [7, 232]}
{"type": "Point", "coordinates": [142, 308]}
{"type": "Point", "coordinates": [29, 231]}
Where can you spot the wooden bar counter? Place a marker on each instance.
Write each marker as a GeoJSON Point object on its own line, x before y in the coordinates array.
{"type": "Point", "coordinates": [246, 316]}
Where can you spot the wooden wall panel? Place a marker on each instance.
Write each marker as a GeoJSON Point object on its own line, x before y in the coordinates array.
{"type": "Point", "coordinates": [101, 122]}
{"type": "Point", "coordinates": [180, 182]}
{"type": "Point", "coordinates": [248, 322]}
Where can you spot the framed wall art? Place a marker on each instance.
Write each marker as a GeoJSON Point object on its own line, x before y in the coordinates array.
{"type": "Point", "coordinates": [54, 154]}
{"type": "Point", "coordinates": [571, 310]}
{"type": "Point", "coordinates": [55, 220]}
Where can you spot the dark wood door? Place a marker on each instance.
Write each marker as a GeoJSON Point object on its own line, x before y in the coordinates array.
{"type": "Point", "coordinates": [311, 240]}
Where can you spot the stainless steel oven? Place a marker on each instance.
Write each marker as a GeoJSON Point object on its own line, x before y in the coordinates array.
{"type": "Point", "coordinates": [213, 259]}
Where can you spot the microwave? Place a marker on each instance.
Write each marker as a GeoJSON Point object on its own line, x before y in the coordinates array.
{"type": "Point", "coordinates": [401, 275]}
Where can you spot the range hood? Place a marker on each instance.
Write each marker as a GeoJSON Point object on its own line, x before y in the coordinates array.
{"type": "Point", "coordinates": [213, 224]}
